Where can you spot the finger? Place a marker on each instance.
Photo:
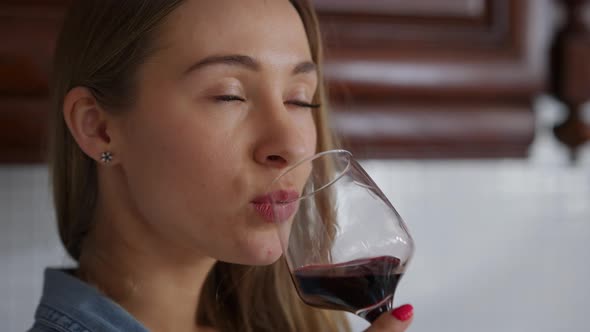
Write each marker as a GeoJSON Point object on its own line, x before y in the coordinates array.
{"type": "Point", "coordinates": [397, 320]}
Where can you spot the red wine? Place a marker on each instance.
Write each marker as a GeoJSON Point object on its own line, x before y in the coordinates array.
{"type": "Point", "coordinates": [364, 286]}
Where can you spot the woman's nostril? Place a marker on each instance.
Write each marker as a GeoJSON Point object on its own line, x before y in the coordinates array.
{"type": "Point", "coordinates": [275, 158]}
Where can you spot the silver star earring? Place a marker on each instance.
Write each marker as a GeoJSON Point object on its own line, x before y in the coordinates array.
{"type": "Point", "coordinates": [106, 157]}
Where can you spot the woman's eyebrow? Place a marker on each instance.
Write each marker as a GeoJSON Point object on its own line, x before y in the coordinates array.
{"type": "Point", "coordinates": [305, 67]}
{"type": "Point", "coordinates": [245, 62]}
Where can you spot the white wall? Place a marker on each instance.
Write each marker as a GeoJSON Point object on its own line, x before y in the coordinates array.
{"type": "Point", "coordinates": [28, 243]}
{"type": "Point", "coordinates": [500, 246]}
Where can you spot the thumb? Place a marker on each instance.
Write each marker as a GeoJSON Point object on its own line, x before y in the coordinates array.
{"type": "Point", "coordinates": [397, 320]}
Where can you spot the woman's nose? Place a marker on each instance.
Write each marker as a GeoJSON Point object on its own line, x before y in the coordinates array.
{"type": "Point", "coordinates": [281, 141]}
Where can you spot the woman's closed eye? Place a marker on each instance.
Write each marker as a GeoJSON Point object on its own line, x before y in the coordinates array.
{"type": "Point", "coordinates": [229, 98]}
{"type": "Point", "coordinates": [298, 103]}
{"type": "Point", "coordinates": [303, 104]}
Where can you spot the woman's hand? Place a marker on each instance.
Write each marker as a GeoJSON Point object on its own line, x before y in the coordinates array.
{"type": "Point", "coordinates": [397, 320]}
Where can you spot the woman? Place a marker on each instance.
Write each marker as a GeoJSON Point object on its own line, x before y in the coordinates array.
{"type": "Point", "coordinates": [171, 119]}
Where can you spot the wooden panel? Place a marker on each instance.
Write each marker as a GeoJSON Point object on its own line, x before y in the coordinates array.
{"type": "Point", "coordinates": [577, 69]}
{"type": "Point", "coordinates": [28, 31]}
{"type": "Point", "coordinates": [394, 31]}
{"type": "Point", "coordinates": [424, 66]}
{"type": "Point", "coordinates": [23, 130]}
{"type": "Point", "coordinates": [460, 130]}
{"type": "Point", "coordinates": [454, 8]}
{"type": "Point", "coordinates": [571, 72]}
{"type": "Point", "coordinates": [404, 56]}
{"type": "Point", "coordinates": [20, 76]}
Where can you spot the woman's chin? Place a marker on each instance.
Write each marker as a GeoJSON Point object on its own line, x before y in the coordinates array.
{"type": "Point", "coordinates": [259, 248]}
{"type": "Point", "coordinates": [267, 256]}
{"type": "Point", "coordinates": [258, 254]}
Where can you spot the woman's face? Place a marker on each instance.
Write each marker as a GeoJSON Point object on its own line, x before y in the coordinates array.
{"type": "Point", "coordinates": [217, 117]}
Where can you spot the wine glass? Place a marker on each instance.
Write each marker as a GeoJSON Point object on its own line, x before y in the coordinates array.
{"type": "Point", "coordinates": [346, 246]}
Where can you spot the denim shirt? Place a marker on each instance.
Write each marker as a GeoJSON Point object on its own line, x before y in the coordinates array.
{"type": "Point", "coordinates": [70, 305]}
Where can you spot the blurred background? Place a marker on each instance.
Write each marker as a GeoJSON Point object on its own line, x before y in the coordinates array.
{"type": "Point", "coordinates": [471, 115]}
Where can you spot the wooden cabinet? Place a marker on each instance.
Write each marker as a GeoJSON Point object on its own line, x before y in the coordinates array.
{"type": "Point", "coordinates": [420, 78]}
{"type": "Point", "coordinates": [571, 72]}
{"type": "Point", "coordinates": [436, 79]}
{"type": "Point", "coordinates": [28, 31]}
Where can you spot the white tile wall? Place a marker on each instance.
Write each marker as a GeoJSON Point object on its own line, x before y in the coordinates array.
{"type": "Point", "coordinates": [28, 242]}
{"type": "Point", "coordinates": [501, 245]}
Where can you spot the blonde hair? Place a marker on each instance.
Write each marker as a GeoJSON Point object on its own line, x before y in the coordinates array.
{"type": "Point", "coordinates": [101, 47]}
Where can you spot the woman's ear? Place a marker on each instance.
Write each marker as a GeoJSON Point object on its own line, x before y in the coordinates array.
{"type": "Point", "coordinates": [89, 124]}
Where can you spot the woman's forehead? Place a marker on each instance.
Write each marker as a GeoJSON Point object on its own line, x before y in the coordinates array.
{"type": "Point", "coordinates": [233, 19]}
{"type": "Point", "coordinates": [270, 31]}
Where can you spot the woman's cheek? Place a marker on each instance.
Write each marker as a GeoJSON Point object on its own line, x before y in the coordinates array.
{"type": "Point", "coordinates": [310, 134]}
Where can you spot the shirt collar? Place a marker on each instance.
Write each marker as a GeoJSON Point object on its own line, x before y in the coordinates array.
{"type": "Point", "coordinates": [68, 295]}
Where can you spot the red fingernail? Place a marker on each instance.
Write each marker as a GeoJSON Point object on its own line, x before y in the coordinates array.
{"type": "Point", "coordinates": [404, 312]}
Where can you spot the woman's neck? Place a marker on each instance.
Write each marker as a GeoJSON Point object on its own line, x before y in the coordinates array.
{"type": "Point", "coordinates": [160, 286]}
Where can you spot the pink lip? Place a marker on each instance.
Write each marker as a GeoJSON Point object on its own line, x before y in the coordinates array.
{"type": "Point", "coordinates": [285, 205]}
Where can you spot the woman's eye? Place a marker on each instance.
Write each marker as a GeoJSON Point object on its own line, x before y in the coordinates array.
{"type": "Point", "coordinates": [303, 104]}
{"type": "Point", "coordinates": [229, 98]}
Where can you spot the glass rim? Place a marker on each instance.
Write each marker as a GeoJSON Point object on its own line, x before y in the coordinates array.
{"type": "Point", "coordinates": [318, 155]}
